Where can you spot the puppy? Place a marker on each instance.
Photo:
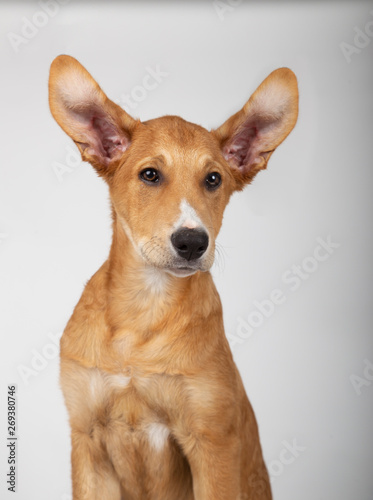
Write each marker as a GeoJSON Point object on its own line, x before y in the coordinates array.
{"type": "Point", "coordinates": [157, 407]}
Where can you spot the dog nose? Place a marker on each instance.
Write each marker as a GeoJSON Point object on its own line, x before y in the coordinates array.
{"type": "Point", "coordinates": [190, 243]}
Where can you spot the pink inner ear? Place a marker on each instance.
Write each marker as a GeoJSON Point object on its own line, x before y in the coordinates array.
{"type": "Point", "coordinates": [248, 145]}
{"type": "Point", "coordinates": [110, 142]}
{"type": "Point", "coordinates": [103, 139]}
{"type": "Point", "coordinates": [240, 150]}
{"type": "Point", "coordinates": [237, 149]}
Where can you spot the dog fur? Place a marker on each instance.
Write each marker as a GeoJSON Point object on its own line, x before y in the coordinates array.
{"type": "Point", "coordinates": [156, 404]}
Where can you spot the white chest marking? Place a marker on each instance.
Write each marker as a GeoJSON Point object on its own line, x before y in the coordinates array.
{"type": "Point", "coordinates": [157, 435]}
{"type": "Point", "coordinates": [156, 280]}
{"type": "Point", "coordinates": [101, 383]}
{"type": "Point", "coordinates": [116, 381]}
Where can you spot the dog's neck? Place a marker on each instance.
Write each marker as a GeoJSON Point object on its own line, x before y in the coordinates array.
{"type": "Point", "coordinates": [144, 298]}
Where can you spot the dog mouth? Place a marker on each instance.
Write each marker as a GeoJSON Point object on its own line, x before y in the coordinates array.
{"type": "Point", "coordinates": [178, 267]}
{"type": "Point", "coordinates": [182, 271]}
{"type": "Point", "coordinates": [156, 255]}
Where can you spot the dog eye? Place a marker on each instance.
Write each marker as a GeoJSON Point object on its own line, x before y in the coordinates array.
{"type": "Point", "coordinates": [150, 175]}
{"type": "Point", "coordinates": [213, 180]}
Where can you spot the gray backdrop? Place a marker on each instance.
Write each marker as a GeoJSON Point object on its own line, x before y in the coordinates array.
{"type": "Point", "coordinates": [294, 270]}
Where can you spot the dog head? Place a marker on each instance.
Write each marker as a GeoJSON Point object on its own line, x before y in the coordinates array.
{"type": "Point", "coordinates": [170, 180]}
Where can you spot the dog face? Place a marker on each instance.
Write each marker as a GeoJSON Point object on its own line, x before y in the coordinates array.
{"type": "Point", "coordinates": [169, 194]}
{"type": "Point", "coordinates": [169, 179]}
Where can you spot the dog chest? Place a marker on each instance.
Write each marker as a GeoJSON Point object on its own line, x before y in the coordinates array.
{"type": "Point", "coordinates": [100, 402]}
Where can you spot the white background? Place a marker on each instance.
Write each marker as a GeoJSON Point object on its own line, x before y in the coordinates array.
{"type": "Point", "coordinates": [297, 365]}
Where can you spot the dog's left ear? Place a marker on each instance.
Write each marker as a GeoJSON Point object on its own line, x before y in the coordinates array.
{"type": "Point", "coordinates": [249, 137]}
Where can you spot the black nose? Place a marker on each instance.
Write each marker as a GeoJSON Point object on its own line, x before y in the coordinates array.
{"type": "Point", "coordinates": [190, 243]}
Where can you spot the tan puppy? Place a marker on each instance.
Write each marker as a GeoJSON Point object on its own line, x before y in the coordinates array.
{"type": "Point", "coordinates": [157, 407]}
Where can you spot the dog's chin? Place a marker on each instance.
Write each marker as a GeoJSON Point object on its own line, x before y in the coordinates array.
{"type": "Point", "coordinates": [181, 272]}
{"type": "Point", "coordinates": [182, 268]}
{"type": "Point", "coordinates": [178, 267]}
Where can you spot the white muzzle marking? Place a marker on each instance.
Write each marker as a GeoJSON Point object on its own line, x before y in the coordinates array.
{"type": "Point", "coordinates": [188, 217]}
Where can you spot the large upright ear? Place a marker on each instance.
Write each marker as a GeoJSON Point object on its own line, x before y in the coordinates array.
{"type": "Point", "coordinates": [249, 137]}
{"type": "Point", "coordinates": [99, 127]}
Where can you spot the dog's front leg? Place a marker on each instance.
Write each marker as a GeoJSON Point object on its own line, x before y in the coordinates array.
{"type": "Point", "coordinates": [93, 476]}
{"type": "Point", "coordinates": [215, 467]}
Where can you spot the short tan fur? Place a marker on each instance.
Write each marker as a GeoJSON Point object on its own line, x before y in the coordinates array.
{"type": "Point", "coordinates": [156, 404]}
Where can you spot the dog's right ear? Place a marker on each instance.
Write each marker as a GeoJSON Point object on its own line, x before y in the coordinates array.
{"type": "Point", "coordinates": [100, 128]}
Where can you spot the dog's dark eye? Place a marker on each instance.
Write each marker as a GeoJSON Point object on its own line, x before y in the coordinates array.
{"type": "Point", "coordinates": [150, 175]}
{"type": "Point", "coordinates": [213, 180]}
